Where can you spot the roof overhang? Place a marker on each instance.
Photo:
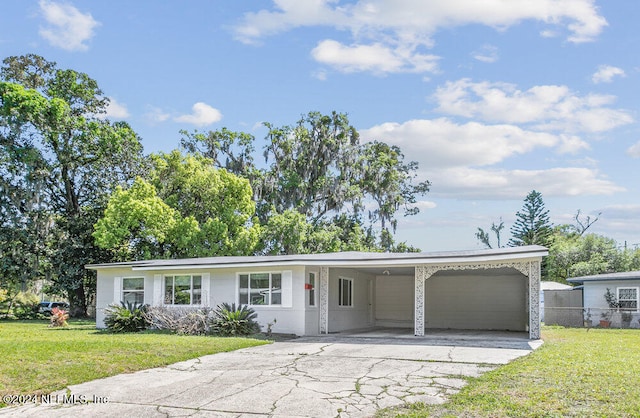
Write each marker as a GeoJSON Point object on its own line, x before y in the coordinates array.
{"type": "Point", "coordinates": [343, 259]}
{"type": "Point", "coordinates": [607, 277]}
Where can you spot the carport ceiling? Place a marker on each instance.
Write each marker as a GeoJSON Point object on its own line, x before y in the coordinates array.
{"type": "Point", "coordinates": [388, 271]}
{"type": "Point", "coordinates": [410, 271]}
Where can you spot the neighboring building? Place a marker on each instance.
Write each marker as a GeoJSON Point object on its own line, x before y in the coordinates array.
{"type": "Point", "coordinates": [624, 286]}
{"type": "Point", "coordinates": [546, 285]}
{"type": "Point", "coordinates": [317, 294]}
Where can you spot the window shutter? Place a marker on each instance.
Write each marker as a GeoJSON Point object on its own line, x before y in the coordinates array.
{"type": "Point", "coordinates": [287, 289]}
{"type": "Point", "coordinates": [117, 290]}
{"type": "Point", "coordinates": [206, 289]}
{"type": "Point", "coordinates": [157, 290]}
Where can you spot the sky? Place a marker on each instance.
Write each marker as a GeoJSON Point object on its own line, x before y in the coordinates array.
{"type": "Point", "coordinates": [493, 99]}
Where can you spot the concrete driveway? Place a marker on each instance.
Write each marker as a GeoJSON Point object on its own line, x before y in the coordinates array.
{"type": "Point", "coordinates": [306, 377]}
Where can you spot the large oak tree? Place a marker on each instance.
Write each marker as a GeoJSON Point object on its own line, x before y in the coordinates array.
{"type": "Point", "coordinates": [60, 158]}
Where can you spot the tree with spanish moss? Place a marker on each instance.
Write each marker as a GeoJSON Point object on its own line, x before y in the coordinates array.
{"type": "Point", "coordinates": [60, 157]}
{"type": "Point", "coordinates": [319, 168]}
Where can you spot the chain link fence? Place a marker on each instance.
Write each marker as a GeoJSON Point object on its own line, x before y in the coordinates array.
{"type": "Point", "coordinates": [591, 317]}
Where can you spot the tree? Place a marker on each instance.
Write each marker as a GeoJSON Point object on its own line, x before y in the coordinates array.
{"type": "Point", "coordinates": [581, 226]}
{"type": "Point", "coordinates": [186, 209]}
{"type": "Point", "coordinates": [63, 157]}
{"type": "Point", "coordinates": [136, 223]}
{"type": "Point", "coordinates": [319, 168]}
{"type": "Point", "coordinates": [532, 226]}
{"type": "Point", "coordinates": [572, 255]}
{"type": "Point", "coordinates": [484, 238]}
{"type": "Point", "coordinates": [388, 181]}
{"type": "Point", "coordinates": [291, 233]}
{"type": "Point", "coordinates": [219, 201]}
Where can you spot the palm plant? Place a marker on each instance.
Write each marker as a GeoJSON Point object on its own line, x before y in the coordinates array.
{"type": "Point", "coordinates": [230, 320]}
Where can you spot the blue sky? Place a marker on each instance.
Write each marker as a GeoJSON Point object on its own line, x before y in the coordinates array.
{"type": "Point", "coordinates": [493, 98]}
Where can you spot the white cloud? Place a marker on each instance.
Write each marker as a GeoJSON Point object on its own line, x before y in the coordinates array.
{"type": "Point", "coordinates": [425, 204]}
{"type": "Point", "coordinates": [621, 223]}
{"type": "Point", "coordinates": [460, 159]}
{"type": "Point", "coordinates": [444, 143]}
{"type": "Point", "coordinates": [634, 150]}
{"type": "Point", "coordinates": [622, 212]}
{"type": "Point", "coordinates": [606, 73]}
{"type": "Point", "coordinates": [487, 53]}
{"type": "Point", "coordinates": [156, 115]}
{"type": "Point", "coordinates": [406, 28]}
{"type": "Point", "coordinates": [67, 28]}
{"type": "Point", "coordinates": [202, 115]}
{"type": "Point", "coordinates": [116, 110]}
{"type": "Point", "coordinates": [290, 14]}
{"type": "Point", "coordinates": [469, 183]}
{"type": "Point", "coordinates": [377, 58]}
{"type": "Point", "coordinates": [547, 107]}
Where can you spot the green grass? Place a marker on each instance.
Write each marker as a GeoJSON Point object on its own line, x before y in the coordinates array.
{"type": "Point", "coordinates": [36, 359]}
{"type": "Point", "coordinates": [576, 373]}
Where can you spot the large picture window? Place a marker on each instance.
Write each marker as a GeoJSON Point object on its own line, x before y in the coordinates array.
{"type": "Point", "coordinates": [345, 292]}
{"type": "Point", "coordinates": [628, 298]}
{"type": "Point", "coordinates": [183, 290]}
{"type": "Point", "coordinates": [261, 289]}
{"type": "Point", "coordinates": [133, 290]}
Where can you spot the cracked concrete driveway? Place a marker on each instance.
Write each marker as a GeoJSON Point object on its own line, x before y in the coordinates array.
{"type": "Point", "coordinates": [306, 377]}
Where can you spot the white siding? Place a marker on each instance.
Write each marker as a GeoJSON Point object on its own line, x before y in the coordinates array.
{"type": "Point", "coordinates": [594, 291]}
{"type": "Point", "coordinates": [594, 298]}
{"type": "Point", "coordinates": [218, 286]}
{"type": "Point", "coordinates": [343, 318]}
{"type": "Point", "coordinates": [109, 289]}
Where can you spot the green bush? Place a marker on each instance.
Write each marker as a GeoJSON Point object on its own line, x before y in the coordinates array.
{"type": "Point", "coordinates": [128, 317]}
{"type": "Point", "coordinates": [25, 306]}
{"type": "Point", "coordinates": [230, 321]}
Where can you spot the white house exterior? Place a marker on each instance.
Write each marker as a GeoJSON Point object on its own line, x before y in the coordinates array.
{"type": "Point", "coordinates": [625, 286]}
{"type": "Point", "coordinates": [318, 294]}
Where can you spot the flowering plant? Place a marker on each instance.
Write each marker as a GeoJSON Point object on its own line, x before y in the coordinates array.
{"type": "Point", "coordinates": [59, 317]}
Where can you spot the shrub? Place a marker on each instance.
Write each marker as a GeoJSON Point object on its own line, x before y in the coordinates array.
{"type": "Point", "coordinates": [25, 306]}
{"type": "Point", "coordinates": [181, 320]}
{"type": "Point", "coordinates": [231, 321]}
{"type": "Point", "coordinates": [59, 317]}
{"type": "Point", "coordinates": [128, 317]}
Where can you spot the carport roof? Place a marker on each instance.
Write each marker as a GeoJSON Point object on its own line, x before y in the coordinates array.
{"type": "Point", "coordinates": [346, 259]}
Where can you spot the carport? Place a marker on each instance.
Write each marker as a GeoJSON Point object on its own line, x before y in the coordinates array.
{"type": "Point", "coordinates": [467, 290]}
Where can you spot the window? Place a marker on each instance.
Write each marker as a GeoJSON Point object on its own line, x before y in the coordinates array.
{"type": "Point", "coordinates": [261, 289]}
{"type": "Point", "coordinates": [183, 290]}
{"type": "Point", "coordinates": [311, 285]}
{"type": "Point", "coordinates": [133, 290]}
{"type": "Point", "coordinates": [345, 292]}
{"type": "Point", "coordinates": [628, 298]}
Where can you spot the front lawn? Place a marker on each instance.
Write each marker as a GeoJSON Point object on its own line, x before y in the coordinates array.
{"type": "Point", "coordinates": [36, 359]}
{"type": "Point", "coordinates": [576, 373]}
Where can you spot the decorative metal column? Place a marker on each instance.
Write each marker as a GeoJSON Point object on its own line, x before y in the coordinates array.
{"type": "Point", "coordinates": [324, 300]}
{"type": "Point", "coordinates": [534, 300]}
{"type": "Point", "coordinates": [419, 277]}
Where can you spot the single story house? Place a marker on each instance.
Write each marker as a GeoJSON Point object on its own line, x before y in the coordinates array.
{"type": "Point", "coordinates": [314, 294]}
{"type": "Point", "coordinates": [625, 287]}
